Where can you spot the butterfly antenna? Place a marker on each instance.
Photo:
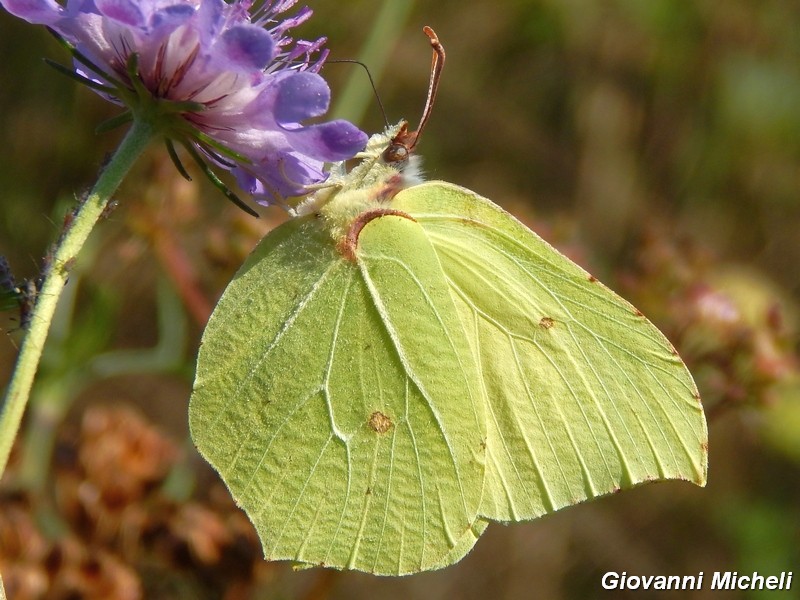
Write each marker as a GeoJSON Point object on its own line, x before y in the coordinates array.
{"type": "Point", "coordinates": [437, 63]}
{"type": "Point", "coordinates": [405, 141]}
{"type": "Point", "coordinates": [371, 82]}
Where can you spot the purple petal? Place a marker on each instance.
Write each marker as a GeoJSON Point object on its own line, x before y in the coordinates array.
{"type": "Point", "coordinates": [269, 184]}
{"type": "Point", "coordinates": [246, 48]}
{"type": "Point", "coordinates": [123, 11]}
{"type": "Point", "coordinates": [210, 18]}
{"type": "Point", "coordinates": [282, 175]}
{"type": "Point", "coordinates": [301, 96]}
{"type": "Point", "coordinates": [39, 12]}
{"type": "Point", "coordinates": [331, 141]}
{"type": "Point", "coordinates": [297, 172]}
{"type": "Point", "coordinates": [172, 17]}
{"type": "Point", "coordinates": [279, 174]}
{"type": "Point", "coordinates": [245, 180]}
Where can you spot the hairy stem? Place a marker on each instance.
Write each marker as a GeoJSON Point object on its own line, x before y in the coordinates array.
{"type": "Point", "coordinates": [55, 276]}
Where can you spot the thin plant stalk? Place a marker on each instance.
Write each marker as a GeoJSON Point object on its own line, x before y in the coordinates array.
{"type": "Point", "coordinates": [352, 102]}
{"type": "Point", "coordinates": [55, 277]}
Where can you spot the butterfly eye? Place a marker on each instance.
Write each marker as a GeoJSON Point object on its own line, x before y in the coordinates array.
{"type": "Point", "coordinates": [395, 153]}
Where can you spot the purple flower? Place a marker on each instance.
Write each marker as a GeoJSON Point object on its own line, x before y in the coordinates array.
{"type": "Point", "coordinates": [216, 76]}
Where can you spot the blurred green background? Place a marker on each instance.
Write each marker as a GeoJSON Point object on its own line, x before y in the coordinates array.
{"type": "Point", "coordinates": [657, 142]}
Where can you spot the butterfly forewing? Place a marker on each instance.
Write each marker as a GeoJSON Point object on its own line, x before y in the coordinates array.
{"type": "Point", "coordinates": [343, 441]}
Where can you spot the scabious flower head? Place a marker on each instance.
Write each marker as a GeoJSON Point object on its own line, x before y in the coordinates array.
{"type": "Point", "coordinates": [221, 77]}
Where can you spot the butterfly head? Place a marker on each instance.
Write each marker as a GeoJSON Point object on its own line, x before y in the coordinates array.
{"type": "Point", "coordinates": [401, 146]}
{"type": "Point", "coordinates": [388, 165]}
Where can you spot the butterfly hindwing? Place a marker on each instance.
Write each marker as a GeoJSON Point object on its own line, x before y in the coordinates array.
{"type": "Point", "coordinates": [585, 396]}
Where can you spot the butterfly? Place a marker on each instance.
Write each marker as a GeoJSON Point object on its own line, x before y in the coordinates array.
{"type": "Point", "coordinates": [404, 362]}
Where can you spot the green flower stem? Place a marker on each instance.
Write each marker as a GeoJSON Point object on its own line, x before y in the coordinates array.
{"type": "Point", "coordinates": [56, 274]}
{"type": "Point", "coordinates": [357, 95]}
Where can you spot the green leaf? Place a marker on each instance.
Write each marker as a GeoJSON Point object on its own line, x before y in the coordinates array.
{"type": "Point", "coordinates": [392, 371]}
